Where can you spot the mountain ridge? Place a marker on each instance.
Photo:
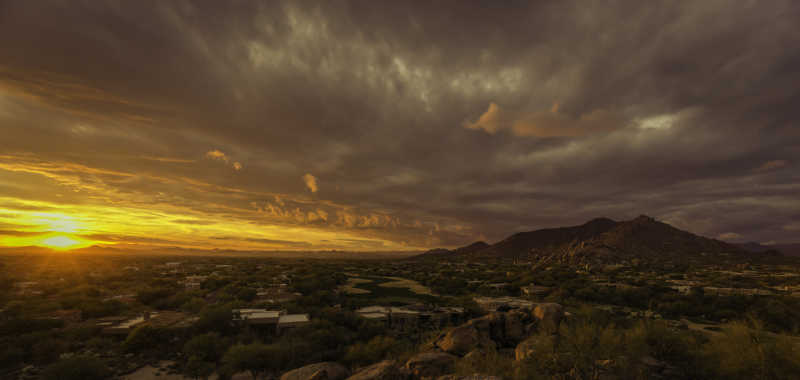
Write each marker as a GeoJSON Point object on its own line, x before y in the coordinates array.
{"type": "Point", "coordinates": [600, 239]}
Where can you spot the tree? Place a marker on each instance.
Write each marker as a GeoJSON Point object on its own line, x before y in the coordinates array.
{"type": "Point", "coordinates": [218, 319]}
{"type": "Point", "coordinates": [746, 351]}
{"type": "Point", "coordinates": [374, 350]}
{"type": "Point", "coordinates": [142, 338]}
{"type": "Point", "coordinates": [77, 368]}
{"type": "Point", "coordinates": [198, 369]}
{"type": "Point", "coordinates": [205, 347]}
{"type": "Point", "coordinates": [256, 358]}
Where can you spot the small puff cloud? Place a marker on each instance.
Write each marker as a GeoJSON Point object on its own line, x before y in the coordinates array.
{"type": "Point", "coordinates": [218, 155]}
{"type": "Point", "coordinates": [546, 123]}
{"type": "Point", "coordinates": [772, 165]}
{"type": "Point", "coordinates": [729, 236]}
{"type": "Point", "coordinates": [311, 182]}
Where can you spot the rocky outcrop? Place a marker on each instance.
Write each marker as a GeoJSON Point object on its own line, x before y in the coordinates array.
{"type": "Point", "coordinates": [430, 364]}
{"type": "Point", "coordinates": [529, 347]}
{"type": "Point", "coordinates": [464, 339]}
{"type": "Point", "coordinates": [317, 371]}
{"type": "Point", "coordinates": [475, 355]}
{"type": "Point", "coordinates": [491, 331]}
{"type": "Point", "coordinates": [549, 316]}
{"type": "Point", "coordinates": [385, 370]}
{"type": "Point", "coordinates": [514, 328]}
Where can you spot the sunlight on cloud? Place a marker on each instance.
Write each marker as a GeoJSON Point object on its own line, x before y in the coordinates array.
{"type": "Point", "coordinates": [311, 182]}
{"type": "Point", "coordinates": [218, 155]}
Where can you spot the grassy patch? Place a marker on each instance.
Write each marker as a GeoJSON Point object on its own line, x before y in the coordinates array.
{"type": "Point", "coordinates": [390, 295]}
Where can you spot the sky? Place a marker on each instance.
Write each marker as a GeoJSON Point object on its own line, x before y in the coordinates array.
{"type": "Point", "coordinates": [402, 125]}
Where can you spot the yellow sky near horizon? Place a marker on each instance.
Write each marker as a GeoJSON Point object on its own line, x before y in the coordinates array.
{"type": "Point", "coordinates": [79, 226]}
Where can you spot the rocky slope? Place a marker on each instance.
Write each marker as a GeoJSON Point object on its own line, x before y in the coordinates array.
{"type": "Point", "coordinates": [495, 331]}
{"type": "Point", "coordinates": [600, 239]}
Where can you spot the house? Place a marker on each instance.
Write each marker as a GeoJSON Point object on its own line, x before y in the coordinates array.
{"type": "Point", "coordinates": [277, 318]}
{"type": "Point", "coordinates": [258, 316]}
{"type": "Point", "coordinates": [494, 303]}
{"type": "Point", "coordinates": [122, 325]}
{"type": "Point", "coordinates": [27, 287]}
{"type": "Point", "coordinates": [381, 312]}
{"type": "Point", "coordinates": [536, 290]}
{"type": "Point", "coordinates": [292, 320]}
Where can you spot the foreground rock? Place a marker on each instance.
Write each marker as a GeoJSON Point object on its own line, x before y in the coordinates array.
{"type": "Point", "coordinates": [385, 370]}
{"type": "Point", "coordinates": [463, 339]}
{"type": "Point", "coordinates": [529, 347]}
{"type": "Point", "coordinates": [317, 371]}
{"type": "Point", "coordinates": [430, 364]}
{"type": "Point", "coordinates": [475, 376]}
{"type": "Point", "coordinates": [488, 332]}
{"type": "Point", "coordinates": [549, 315]}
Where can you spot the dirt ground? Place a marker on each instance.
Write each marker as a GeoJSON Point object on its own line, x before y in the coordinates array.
{"type": "Point", "coordinates": [149, 373]}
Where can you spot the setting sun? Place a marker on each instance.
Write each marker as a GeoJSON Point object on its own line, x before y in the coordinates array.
{"type": "Point", "coordinates": [61, 242]}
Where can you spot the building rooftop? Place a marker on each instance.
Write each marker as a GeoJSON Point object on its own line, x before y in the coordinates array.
{"type": "Point", "coordinates": [293, 318]}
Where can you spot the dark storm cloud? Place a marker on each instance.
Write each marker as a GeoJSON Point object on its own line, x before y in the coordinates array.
{"type": "Point", "coordinates": [422, 123]}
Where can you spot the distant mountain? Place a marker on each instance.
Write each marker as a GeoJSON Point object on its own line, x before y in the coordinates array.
{"type": "Point", "coordinates": [465, 250]}
{"type": "Point", "coordinates": [600, 239]}
{"type": "Point", "coordinates": [752, 246]}
{"type": "Point", "coordinates": [644, 236]}
{"type": "Point", "coordinates": [520, 244]}
{"type": "Point", "coordinates": [784, 249]}
{"type": "Point", "coordinates": [472, 248]}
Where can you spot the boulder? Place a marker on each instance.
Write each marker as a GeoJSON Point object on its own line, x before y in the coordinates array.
{"type": "Point", "coordinates": [498, 329]}
{"type": "Point", "coordinates": [460, 340]}
{"type": "Point", "coordinates": [514, 327]}
{"type": "Point", "coordinates": [317, 371]}
{"type": "Point", "coordinates": [385, 370]}
{"type": "Point", "coordinates": [430, 364]}
{"type": "Point", "coordinates": [481, 323]}
{"type": "Point", "coordinates": [530, 346]}
{"type": "Point", "coordinates": [475, 355]}
{"type": "Point", "coordinates": [319, 375]}
{"type": "Point", "coordinates": [549, 315]}
{"type": "Point", "coordinates": [497, 321]}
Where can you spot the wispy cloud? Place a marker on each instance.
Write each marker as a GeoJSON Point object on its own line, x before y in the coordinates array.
{"type": "Point", "coordinates": [729, 236]}
{"type": "Point", "coordinates": [772, 165]}
{"type": "Point", "coordinates": [311, 182]}
{"type": "Point", "coordinates": [218, 155]}
{"type": "Point", "coordinates": [546, 123]}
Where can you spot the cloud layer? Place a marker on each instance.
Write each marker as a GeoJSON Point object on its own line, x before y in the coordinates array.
{"type": "Point", "coordinates": [431, 124]}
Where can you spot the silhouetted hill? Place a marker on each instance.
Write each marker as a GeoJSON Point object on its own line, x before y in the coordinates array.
{"type": "Point", "coordinates": [465, 250]}
{"type": "Point", "coordinates": [645, 236]}
{"type": "Point", "coordinates": [600, 239]}
{"type": "Point", "coordinates": [752, 246]}
{"type": "Point", "coordinates": [522, 243]}
{"type": "Point", "coordinates": [474, 247]}
{"type": "Point", "coordinates": [784, 249]}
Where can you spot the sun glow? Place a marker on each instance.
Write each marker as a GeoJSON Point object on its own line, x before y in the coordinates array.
{"type": "Point", "coordinates": [62, 242]}
{"type": "Point", "coordinates": [26, 223]}
{"type": "Point", "coordinates": [56, 222]}
{"type": "Point", "coordinates": [54, 230]}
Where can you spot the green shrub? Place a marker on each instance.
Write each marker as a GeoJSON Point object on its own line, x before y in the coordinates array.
{"type": "Point", "coordinates": [77, 368]}
{"type": "Point", "coordinates": [373, 351]}
{"type": "Point", "coordinates": [746, 351]}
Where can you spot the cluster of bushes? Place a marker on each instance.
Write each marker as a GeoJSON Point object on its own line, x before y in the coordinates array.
{"type": "Point", "coordinates": [592, 346]}
{"type": "Point", "coordinates": [779, 313]}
